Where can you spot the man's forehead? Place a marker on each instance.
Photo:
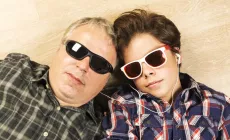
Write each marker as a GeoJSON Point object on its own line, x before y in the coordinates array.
{"type": "Point", "coordinates": [90, 35]}
{"type": "Point", "coordinates": [96, 40]}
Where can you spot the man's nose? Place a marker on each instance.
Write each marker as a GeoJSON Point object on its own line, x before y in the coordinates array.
{"type": "Point", "coordinates": [147, 70]}
{"type": "Point", "coordinates": [83, 64]}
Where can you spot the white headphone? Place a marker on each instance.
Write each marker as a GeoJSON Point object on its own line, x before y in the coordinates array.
{"type": "Point", "coordinates": [178, 58]}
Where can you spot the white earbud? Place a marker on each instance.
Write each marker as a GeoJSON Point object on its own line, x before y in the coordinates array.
{"type": "Point", "coordinates": [178, 58]}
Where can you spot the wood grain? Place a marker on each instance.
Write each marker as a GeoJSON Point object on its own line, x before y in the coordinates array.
{"type": "Point", "coordinates": [35, 27]}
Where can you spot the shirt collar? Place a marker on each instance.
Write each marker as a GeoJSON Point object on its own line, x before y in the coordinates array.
{"type": "Point", "coordinates": [41, 75]}
{"type": "Point", "coordinates": [188, 84]}
{"type": "Point", "coordinates": [42, 78]}
{"type": "Point", "coordinates": [40, 72]}
{"type": "Point", "coordinates": [88, 107]}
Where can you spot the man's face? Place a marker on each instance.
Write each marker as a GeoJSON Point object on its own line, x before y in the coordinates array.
{"type": "Point", "coordinates": [73, 81]}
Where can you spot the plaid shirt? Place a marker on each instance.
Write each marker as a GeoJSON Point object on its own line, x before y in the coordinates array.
{"type": "Point", "coordinates": [198, 113]}
{"type": "Point", "coordinates": [29, 109]}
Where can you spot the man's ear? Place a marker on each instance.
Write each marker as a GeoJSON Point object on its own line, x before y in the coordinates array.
{"type": "Point", "coordinates": [178, 57]}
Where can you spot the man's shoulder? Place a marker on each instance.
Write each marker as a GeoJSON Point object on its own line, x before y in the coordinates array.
{"type": "Point", "coordinates": [15, 59]}
{"type": "Point", "coordinates": [16, 56]}
{"type": "Point", "coordinates": [19, 63]}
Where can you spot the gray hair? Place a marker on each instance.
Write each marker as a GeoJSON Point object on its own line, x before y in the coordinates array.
{"type": "Point", "coordinates": [95, 21]}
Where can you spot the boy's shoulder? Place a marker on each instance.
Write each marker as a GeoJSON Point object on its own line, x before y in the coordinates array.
{"type": "Point", "coordinates": [213, 95]}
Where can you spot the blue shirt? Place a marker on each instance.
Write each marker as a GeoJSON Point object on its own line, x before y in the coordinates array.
{"type": "Point", "coordinates": [198, 112]}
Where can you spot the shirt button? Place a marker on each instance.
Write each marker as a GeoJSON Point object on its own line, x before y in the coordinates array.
{"type": "Point", "coordinates": [203, 123]}
{"type": "Point", "coordinates": [47, 86]}
{"type": "Point", "coordinates": [45, 134]}
{"type": "Point", "coordinates": [148, 122]}
{"type": "Point", "coordinates": [58, 108]}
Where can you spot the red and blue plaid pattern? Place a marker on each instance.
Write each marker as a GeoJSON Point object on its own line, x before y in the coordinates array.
{"type": "Point", "coordinates": [198, 113]}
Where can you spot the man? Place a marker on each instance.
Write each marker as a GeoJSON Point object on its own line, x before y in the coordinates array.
{"type": "Point", "coordinates": [38, 102]}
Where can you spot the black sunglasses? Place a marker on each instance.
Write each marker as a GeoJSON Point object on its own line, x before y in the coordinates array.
{"type": "Point", "coordinates": [97, 63]}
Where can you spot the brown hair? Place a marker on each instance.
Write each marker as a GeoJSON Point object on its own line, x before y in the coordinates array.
{"type": "Point", "coordinates": [131, 23]}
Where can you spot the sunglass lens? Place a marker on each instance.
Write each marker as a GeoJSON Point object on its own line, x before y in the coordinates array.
{"type": "Point", "coordinates": [155, 59]}
{"type": "Point", "coordinates": [76, 50]}
{"type": "Point", "coordinates": [99, 64]}
{"type": "Point", "coordinates": [133, 69]}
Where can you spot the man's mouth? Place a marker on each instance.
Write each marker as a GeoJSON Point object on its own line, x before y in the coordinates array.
{"type": "Point", "coordinates": [75, 79]}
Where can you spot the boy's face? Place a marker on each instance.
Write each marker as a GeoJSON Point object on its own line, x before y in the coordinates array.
{"type": "Point", "coordinates": [156, 81]}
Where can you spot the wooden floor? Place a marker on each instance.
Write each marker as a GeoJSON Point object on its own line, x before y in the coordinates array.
{"type": "Point", "coordinates": [35, 27]}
